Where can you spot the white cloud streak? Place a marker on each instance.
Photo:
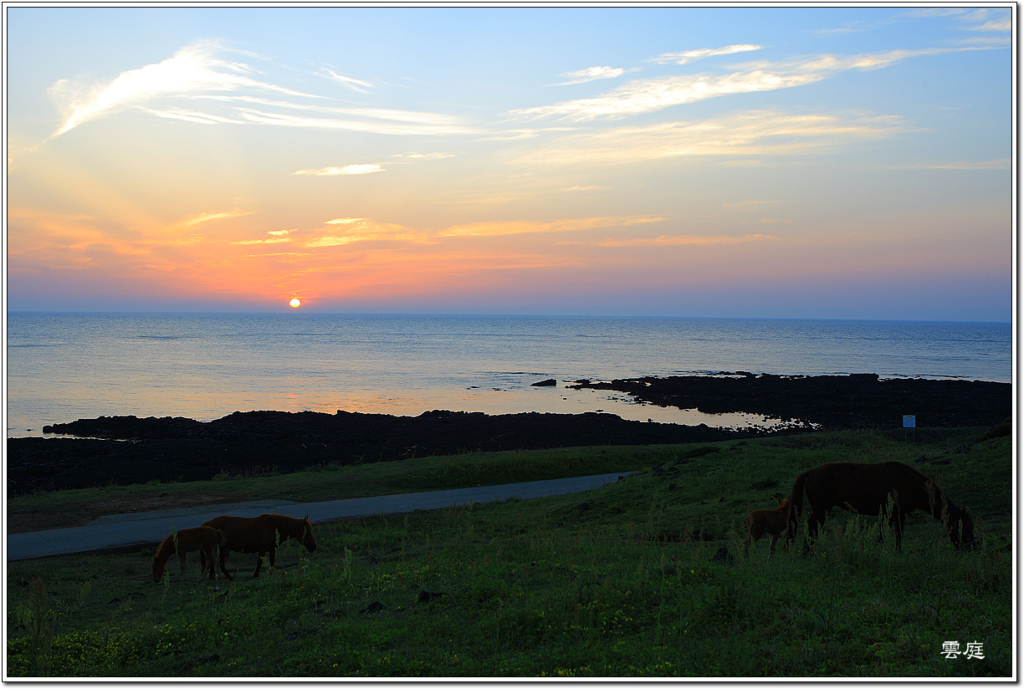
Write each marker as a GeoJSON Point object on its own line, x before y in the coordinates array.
{"type": "Point", "coordinates": [686, 56]}
{"type": "Point", "coordinates": [354, 84]}
{"type": "Point", "coordinates": [205, 217]}
{"type": "Point", "coordinates": [650, 95]}
{"type": "Point", "coordinates": [753, 133]}
{"type": "Point", "coordinates": [196, 74]}
{"type": "Point", "coordinates": [275, 240]}
{"type": "Point", "coordinates": [591, 74]}
{"type": "Point", "coordinates": [995, 25]}
{"type": "Point", "coordinates": [193, 69]}
{"type": "Point", "coordinates": [360, 169]}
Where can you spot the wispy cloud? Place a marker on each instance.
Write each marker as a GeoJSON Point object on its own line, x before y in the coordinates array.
{"type": "Point", "coordinates": [582, 76]}
{"type": "Point", "coordinates": [753, 133]}
{"type": "Point", "coordinates": [274, 240]}
{"type": "Point", "coordinates": [519, 134]}
{"type": "Point", "coordinates": [193, 69]}
{"type": "Point", "coordinates": [991, 19]}
{"type": "Point", "coordinates": [359, 169]}
{"type": "Point", "coordinates": [994, 25]}
{"type": "Point", "coordinates": [686, 56]}
{"type": "Point", "coordinates": [376, 126]}
{"type": "Point", "coordinates": [650, 95]}
{"type": "Point", "coordinates": [494, 229]}
{"type": "Point", "coordinates": [197, 85]}
{"type": "Point", "coordinates": [980, 19]}
{"type": "Point", "coordinates": [424, 156]}
{"type": "Point", "coordinates": [206, 217]}
{"type": "Point", "coordinates": [354, 84]}
{"type": "Point", "coordinates": [352, 230]}
{"type": "Point", "coordinates": [276, 237]}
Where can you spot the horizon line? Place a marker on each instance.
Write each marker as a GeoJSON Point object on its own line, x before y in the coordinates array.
{"type": "Point", "coordinates": [406, 314]}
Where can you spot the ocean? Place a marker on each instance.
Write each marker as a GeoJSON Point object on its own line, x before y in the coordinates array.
{"type": "Point", "coordinates": [62, 367]}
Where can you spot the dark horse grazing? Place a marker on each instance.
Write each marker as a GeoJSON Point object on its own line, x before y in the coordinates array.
{"type": "Point", "coordinates": [259, 535]}
{"type": "Point", "coordinates": [867, 489]}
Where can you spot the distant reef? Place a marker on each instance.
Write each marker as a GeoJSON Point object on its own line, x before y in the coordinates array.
{"type": "Point", "coordinates": [124, 450]}
{"type": "Point", "coordinates": [831, 402]}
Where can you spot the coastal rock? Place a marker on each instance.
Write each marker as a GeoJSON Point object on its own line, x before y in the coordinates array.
{"type": "Point", "coordinates": [130, 450]}
{"type": "Point", "coordinates": [832, 402]}
{"type": "Point", "coordinates": [549, 383]}
{"type": "Point", "coordinates": [125, 450]}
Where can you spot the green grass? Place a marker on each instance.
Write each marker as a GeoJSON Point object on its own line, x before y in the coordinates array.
{"type": "Point", "coordinates": [623, 581]}
{"type": "Point", "coordinates": [334, 482]}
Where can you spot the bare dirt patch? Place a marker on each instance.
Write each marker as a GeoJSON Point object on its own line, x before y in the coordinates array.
{"type": "Point", "coordinates": [67, 516]}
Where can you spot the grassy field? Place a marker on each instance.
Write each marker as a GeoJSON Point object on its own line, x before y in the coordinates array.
{"type": "Point", "coordinates": [332, 482]}
{"type": "Point", "coordinates": [644, 577]}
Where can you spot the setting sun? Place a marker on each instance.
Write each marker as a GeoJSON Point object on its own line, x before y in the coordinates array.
{"type": "Point", "coordinates": [295, 303]}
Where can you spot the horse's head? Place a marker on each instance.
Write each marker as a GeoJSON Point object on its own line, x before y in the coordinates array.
{"type": "Point", "coordinates": [308, 539]}
{"type": "Point", "coordinates": [959, 526]}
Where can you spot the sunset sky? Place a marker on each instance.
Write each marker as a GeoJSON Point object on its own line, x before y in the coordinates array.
{"type": "Point", "coordinates": [780, 162]}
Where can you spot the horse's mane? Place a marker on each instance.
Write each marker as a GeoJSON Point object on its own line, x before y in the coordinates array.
{"type": "Point", "coordinates": [166, 549]}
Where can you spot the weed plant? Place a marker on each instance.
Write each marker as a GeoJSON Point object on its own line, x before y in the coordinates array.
{"type": "Point", "coordinates": [644, 577]}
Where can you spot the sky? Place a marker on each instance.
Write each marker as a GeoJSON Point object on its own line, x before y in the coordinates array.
{"type": "Point", "coordinates": [781, 162]}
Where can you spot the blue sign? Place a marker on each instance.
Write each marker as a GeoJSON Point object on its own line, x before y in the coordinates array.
{"type": "Point", "coordinates": [909, 421]}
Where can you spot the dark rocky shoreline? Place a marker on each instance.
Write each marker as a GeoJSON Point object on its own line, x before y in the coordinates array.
{"type": "Point", "coordinates": [125, 450]}
{"type": "Point", "coordinates": [831, 402]}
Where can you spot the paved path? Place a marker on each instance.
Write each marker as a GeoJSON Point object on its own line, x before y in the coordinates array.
{"type": "Point", "coordinates": [140, 528]}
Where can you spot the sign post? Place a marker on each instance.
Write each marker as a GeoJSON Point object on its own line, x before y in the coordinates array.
{"type": "Point", "coordinates": [909, 422]}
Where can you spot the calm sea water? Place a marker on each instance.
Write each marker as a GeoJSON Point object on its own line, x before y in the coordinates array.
{"type": "Point", "coordinates": [63, 367]}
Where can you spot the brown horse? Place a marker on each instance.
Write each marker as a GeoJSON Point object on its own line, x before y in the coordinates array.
{"type": "Point", "coordinates": [868, 488]}
{"type": "Point", "coordinates": [771, 522]}
{"type": "Point", "coordinates": [202, 538]}
{"type": "Point", "coordinates": [260, 535]}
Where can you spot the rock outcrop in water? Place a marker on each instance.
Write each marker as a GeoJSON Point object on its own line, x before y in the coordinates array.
{"type": "Point", "coordinates": [831, 402]}
{"type": "Point", "coordinates": [124, 450]}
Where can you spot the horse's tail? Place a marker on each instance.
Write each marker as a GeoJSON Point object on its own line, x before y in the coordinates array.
{"type": "Point", "coordinates": [796, 501]}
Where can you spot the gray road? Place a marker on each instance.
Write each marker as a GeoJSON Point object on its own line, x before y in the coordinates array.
{"type": "Point", "coordinates": [140, 528]}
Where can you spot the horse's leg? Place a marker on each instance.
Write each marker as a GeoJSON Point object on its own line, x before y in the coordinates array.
{"type": "Point", "coordinates": [224, 550]}
{"type": "Point", "coordinates": [208, 550]}
{"type": "Point", "coordinates": [901, 519]}
{"type": "Point", "coordinates": [817, 518]}
{"type": "Point", "coordinates": [772, 539]}
{"type": "Point", "coordinates": [181, 559]}
{"type": "Point", "coordinates": [259, 563]}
